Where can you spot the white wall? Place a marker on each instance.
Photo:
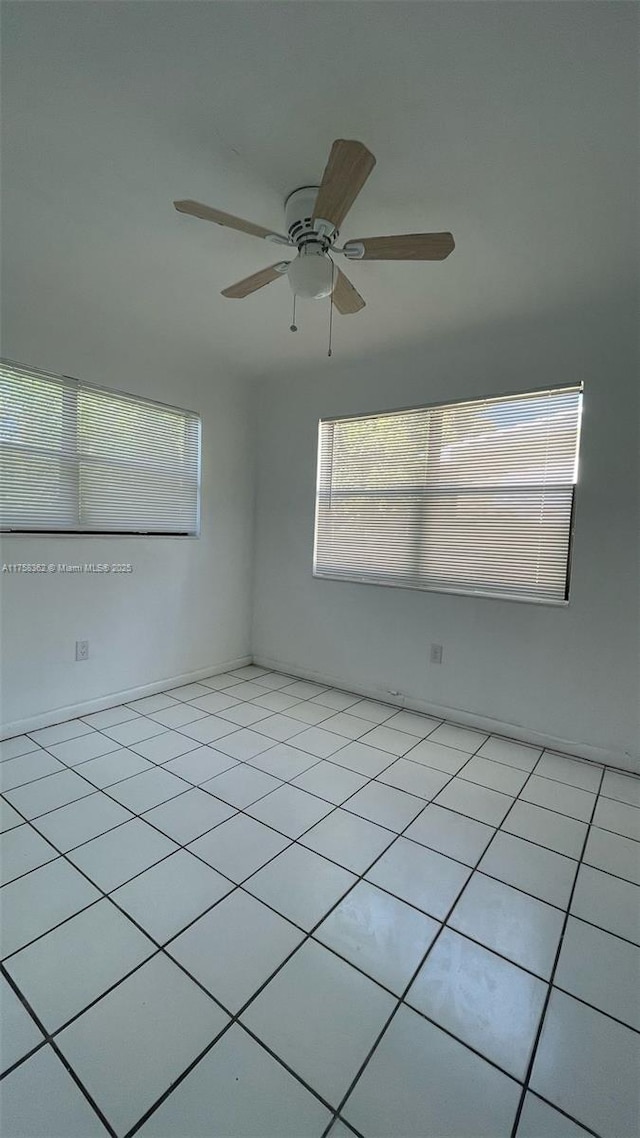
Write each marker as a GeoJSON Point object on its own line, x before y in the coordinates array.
{"type": "Point", "coordinates": [566, 674]}
{"type": "Point", "coordinates": [186, 606]}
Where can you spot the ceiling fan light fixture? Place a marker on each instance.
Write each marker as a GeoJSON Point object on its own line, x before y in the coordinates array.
{"type": "Point", "coordinates": [311, 274]}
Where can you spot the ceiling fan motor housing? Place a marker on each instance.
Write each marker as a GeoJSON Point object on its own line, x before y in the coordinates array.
{"type": "Point", "coordinates": [299, 222]}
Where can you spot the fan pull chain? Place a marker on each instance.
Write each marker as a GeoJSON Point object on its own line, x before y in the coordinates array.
{"type": "Point", "coordinates": [333, 283]}
{"type": "Point", "coordinates": [293, 327]}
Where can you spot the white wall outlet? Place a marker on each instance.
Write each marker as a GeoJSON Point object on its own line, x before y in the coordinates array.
{"type": "Point", "coordinates": [436, 654]}
{"type": "Point", "coordinates": [82, 649]}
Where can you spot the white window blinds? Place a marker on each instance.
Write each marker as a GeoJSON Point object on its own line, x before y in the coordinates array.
{"type": "Point", "coordinates": [469, 497]}
{"type": "Point", "coordinates": [79, 458]}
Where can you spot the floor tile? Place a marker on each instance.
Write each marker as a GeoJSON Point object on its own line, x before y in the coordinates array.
{"type": "Point", "coordinates": [247, 690]}
{"type": "Point", "coordinates": [244, 714]}
{"type": "Point", "coordinates": [362, 759]}
{"type": "Point", "coordinates": [189, 816]}
{"type": "Point", "coordinates": [414, 778]}
{"type": "Point", "coordinates": [300, 885]}
{"type": "Point", "coordinates": [281, 727]}
{"type": "Point", "coordinates": [451, 834]}
{"type": "Point", "coordinates": [251, 672]}
{"type": "Point", "coordinates": [78, 750]}
{"type": "Point", "coordinates": [61, 732]}
{"type": "Point", "coordinates": [420, 877]}
{"type": "Point", "coordinates": [241, 786]}
{"type": "Point", "coordinates": [496, 776]}
{"type": "Point", "coordinates": [112, 768]}
{"type": "Point", "coordinates": [18, 745]}
{"type": "Point", "coordinates": [239, 846]}
{"type": "Point", "coordinates": [544, 873]}
{"type": "Point", "coordinates": [215, 702]}
{"type": "Point", "coordinates": [163, 747]}
{"type": "Point", "coordinates": [166, 897]}
{"type": "Point", "coordinates": [558, 796]}
{"type": "Point", "coordinates": [346, 1009]}
{"type": "Point", "coordinates": [311, 713]}
{"type": "Point", "coordinates": [221, 681]}
{"type": "Point", "coordinates": [378, 934]}
{"type": "Point", "coordinates": [507, 751]}
{"type": "Point", "coordinates": [108, 718]}
{"type": "Point", "coordinates": [561, 768]}
{"type": "Point", "coordinates": [8, 817]}
{"type": "Point", "coordinates": [200, 765]}
{"type": "Point", "coordinates": [623, 787]}
{"type": "Point", "coordinates": [350, 726]}
{"type": "Point", "coordinates": [35, 903]}
{"type": "Point", "coordinates": [436, 755]}
{"type": "Point", "coordinates": [151, 703]}
{"type": "Point", "coordinates": [609, 902]}
{"type": "Point", "coordinates": [209, 729]}
{"type": "Point", "coordinates": [115, 857]}
{"type": "Point", "coordinates": [555, 831]}
{"type": "Point", "coordinates": [350, 841]}
{"type": "Point", "coordinates": [135, 730]}
{"type": "Point", "coordinates": [178, 715]}
{"type": "Point", "coordinates": [247, 1092]}
{"type": "Point", "coordinates": [284, 761]}
{"type": "Point", "coordinates": [319, 742]}
{"type": "Point", "coordinates": [19, 1032]}
{"type": "Point", "coordinates": [148, 789]}
{"type": "Point", "coordinates": [602, 970]}
{"type": "Point", "coordinates": [475, 801]}
{"type": "Point", "coordinates": [48, 793]}
{"type": "Point", "coordinates": [385, 805]}
{"type": "Point", "coordinates": [41, 1100]}
{"type": "Point", "coordinates": [519, 927]}
{"type": "Point", "coordinates": [330, 781]}
{"type": "Point", "coordinates": [220, 948]}
{"type": "Point", "coordinates": [373, 710]}
{"type": "Point", "coordinates": [386, 739]}
{"type": "Point", "coordinates": [113, 1045]}
{"type": "Point", "coordinates": [289, 810]}
{"type": "Point", "coordinates": [614, 854]}
{"type": "Point", "coordinates": [276, 701]}
{"type": "Point", "coordinates": [618, 817]}
{"type": "Point", "coordinates": [22, 850]}
{"type": "Point", "coordinates": [28, 768]}
{"type": "Point", "coordinates": [539, 1120]}
{"type": "Point", "coordinates": [336, 700]}
{"type": "Point", "coordinates": [480, 998]}
{"type": "Point", "coordinates": [462, 738]}
{"type": "Point", "coordinates": [63, 972]}
{"type": "Point", "coordinates": [303, 689]}
{"type": "Point", "coordinates": [446, 1089]}
{"type": "Point", "coordinates": [273, 680]}
{"type": "Point", "coordinates": [244, 744]}
{"type": "Point", "coordinates": [186, 692]}
{"type": "Point", "coordinates": [588, 1065]}
{"type": "Point", "coordinates": [412, 723]}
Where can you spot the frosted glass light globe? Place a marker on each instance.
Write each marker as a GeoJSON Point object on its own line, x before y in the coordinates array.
{"type": "Point", "coordinates": [311, 275]}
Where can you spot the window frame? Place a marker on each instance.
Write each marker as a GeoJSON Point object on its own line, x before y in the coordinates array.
{"type": "Point", "coordinates": [453, 590]}
{"type": "Point", "coordinates": [78, 385]}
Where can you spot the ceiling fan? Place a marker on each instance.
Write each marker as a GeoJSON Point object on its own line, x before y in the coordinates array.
{"type": "Point", "coordinates": [313, 216]}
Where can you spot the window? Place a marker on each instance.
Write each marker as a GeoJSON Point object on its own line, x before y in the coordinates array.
{"type": "Point", "coordinates": [75, 458]}
{"type": "Point", "coordinates": [467, 497]}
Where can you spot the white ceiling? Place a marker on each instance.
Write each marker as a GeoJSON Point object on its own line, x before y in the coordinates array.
{"type": "Point", "coordinates": [504, 122]}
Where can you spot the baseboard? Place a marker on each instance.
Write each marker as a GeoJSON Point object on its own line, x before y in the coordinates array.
{"type": "Point", "coordinates": [572, 747]}
{"type": "Point", "coordinates": [73, 711]}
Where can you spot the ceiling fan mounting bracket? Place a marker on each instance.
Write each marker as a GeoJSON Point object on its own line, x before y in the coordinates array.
{"type": "Point", "coordinates": [299, 222]}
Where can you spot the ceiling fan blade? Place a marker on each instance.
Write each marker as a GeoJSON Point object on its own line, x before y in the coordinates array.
{"type": "Point", "coordinates": [402, 247]}
{"type": "Point", "coordinates": [207, 213]}
{"type": "Point", "coordinates": [346, 298]}
{"type": "Point", "coordinates": [258, 280]}
{"type": "Point", "coordinates": [346, 172]}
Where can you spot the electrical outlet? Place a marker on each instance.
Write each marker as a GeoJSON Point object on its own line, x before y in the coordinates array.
{"type": "Point", "coordinates": [436, 654]}
{"type": "Point", "coordinates": [82, 649]}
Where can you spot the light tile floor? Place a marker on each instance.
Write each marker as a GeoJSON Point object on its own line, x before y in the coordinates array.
{"type": "Point", "coordinates": [256, 907]}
